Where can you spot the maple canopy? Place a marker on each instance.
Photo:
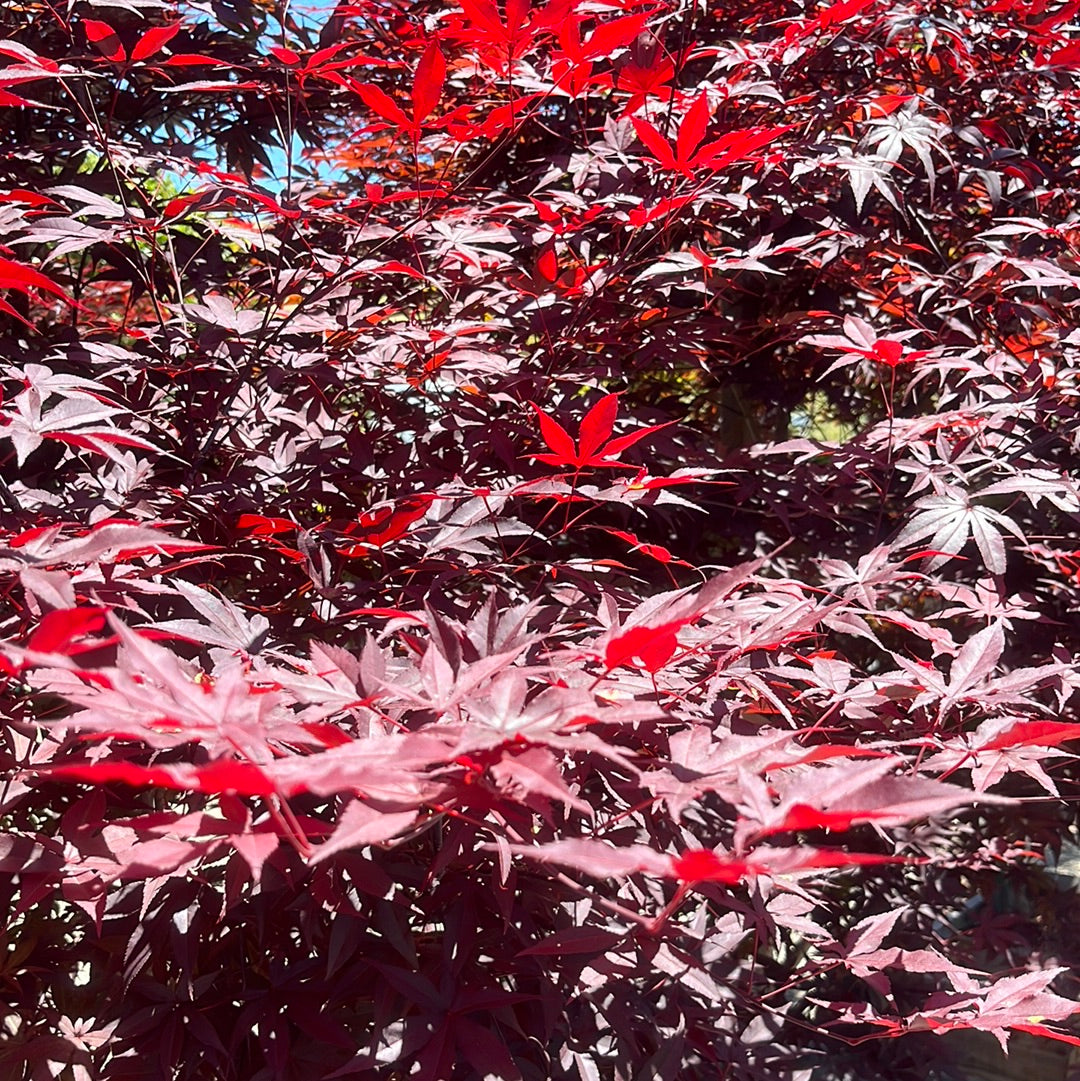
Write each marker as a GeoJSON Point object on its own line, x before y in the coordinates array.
{"type": "Point", "coordinates": [538, 538]}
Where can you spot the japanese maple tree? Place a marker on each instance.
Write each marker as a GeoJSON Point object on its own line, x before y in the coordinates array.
{"type": "Point", "coordinates": [539, 539]}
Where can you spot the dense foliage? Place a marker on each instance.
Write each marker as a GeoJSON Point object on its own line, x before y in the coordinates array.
{"type": "Point", "coordinates": [539, 541]}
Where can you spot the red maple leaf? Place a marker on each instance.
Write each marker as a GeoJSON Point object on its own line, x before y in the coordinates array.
{"type": "Point", "coordinates": [595, 449]}
{"type": "Point", "coordinates": [688, 154]}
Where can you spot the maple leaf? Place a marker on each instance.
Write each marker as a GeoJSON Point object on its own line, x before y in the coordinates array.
{"type": "Point", "coordinates": [595, 448]}
{"type": "Point", "coordinates": [651, 632]}
{"type": "Point", "coordinates": [653, 551]}
{"type": "Point", "coordinates": [861, 341]}
{"type": "Point", "coordinates": [949, 519]}
{"type": "Point", "coordinates": [841, 796]}
{"type": "Point", "coordinates": [643, 78]}
{"type": "Point", "coordinates": [694, 865]}
{"type": "Point", "coordinates": [1022, 1003]}
{"type": "Point", "coordinates": [907, 129]}
{"type": "Point", "coordinates": [688, 154]}
{"type": "Point", "coordinates": [654, 646]}
{"type": "Point", "coordinates": [503, 39]}
{"type": "Point", "coordinates": [376, 528]}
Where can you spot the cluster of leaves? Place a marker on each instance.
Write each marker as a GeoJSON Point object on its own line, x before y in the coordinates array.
{"type": "Point", "coordinates": [539, 540]}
